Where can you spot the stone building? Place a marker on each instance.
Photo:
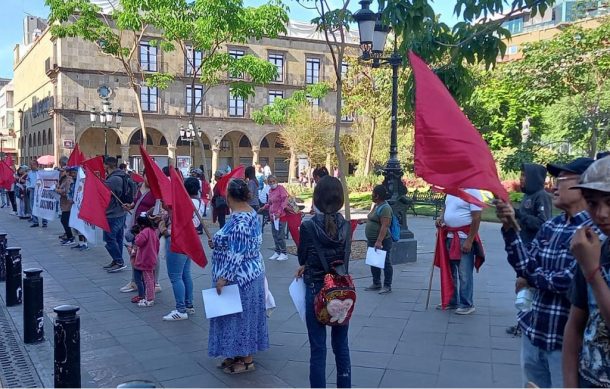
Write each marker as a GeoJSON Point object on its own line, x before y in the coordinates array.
{"type": "Point", "coordinates": [8, 139]}
{"type": "Point", "coordinates": [59, 81]}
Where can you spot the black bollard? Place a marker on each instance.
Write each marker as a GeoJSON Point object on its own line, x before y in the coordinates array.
{"type": "Point", "coordinates": [67, 347]}
{"type": "Point", "coordinates": [33, 318]}
{"type": "Point", "coordinates": [13, 276]}
{"type": "Point", "coordinates": [2, 254]}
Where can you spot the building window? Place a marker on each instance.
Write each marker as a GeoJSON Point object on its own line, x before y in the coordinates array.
{"type": "Point", "coordinates": [312, 71]}
{"type": "Point", "coordinates": [236, 55]}
{"type": "Point", "coordinates": [148, 98]}
{"type": "Point", "coordinates": [195, 98]}
{"type": "Point", "coordinates": [313, 102]}
{"type": "Point", "coordinates": [278, 61]}
{"type": "Point", "coordinates": [274, 94]}
{"type": "Point", "coordinates": [236, 105]}
{"type": "Point", "coordinates": [512, 50]}
{"type": "Point", "coordinates": [514, 26]}
{"type": "Point", "coordinates": [193, 60]}
{"type": "Point", "coordinates": [344, 69]}
{"type": "Point", "coordinates": [148, 57]}
{"type": "Point", "coordinates": [348, 117]}
{"type": "Point", "coordinates": [245, 142]}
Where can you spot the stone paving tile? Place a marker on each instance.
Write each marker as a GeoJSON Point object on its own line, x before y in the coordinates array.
{"type": "Point", "coordinates": [460, 374]}
{"type": "Point", "coordinates": [407, 379]}
{"type": "Point", "coordinates": [465, 353]}
{"type": "Point", "coordinates": [506, 376]}
{"type": "Point", "coordinates": [419, 364]}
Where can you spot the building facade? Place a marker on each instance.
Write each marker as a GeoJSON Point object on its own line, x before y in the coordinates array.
{"type": "Point", "coordinates": [59, 82]}
{"type": "Point", "coordinates": [8, 138]}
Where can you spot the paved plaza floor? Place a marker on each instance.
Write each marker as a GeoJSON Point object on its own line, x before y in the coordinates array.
{"type": "Point", "coordinates": [394, 340]}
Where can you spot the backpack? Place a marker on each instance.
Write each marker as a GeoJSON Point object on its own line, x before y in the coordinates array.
{"type": "Point", "coordinates": [127, 192]}
{"type": "Point", "coordinates": [394, 225]}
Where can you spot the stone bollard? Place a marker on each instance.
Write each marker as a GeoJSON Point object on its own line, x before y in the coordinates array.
{"type": "Point", "coordinates": [13, 276]}
{"type": "Point", "coordinates": [3, 244]}
{"type": "Point", "coordinates": [33, 316]}
{"type": "Point", "coordinates": [67, 347]}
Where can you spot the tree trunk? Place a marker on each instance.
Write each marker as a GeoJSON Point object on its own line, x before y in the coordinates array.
{"type": "Point", "coordinates": [140, 115]}
{"type": "Point", "coordinates": [338, 150]}
{"type": "Point", "coordinates": [369, 151]}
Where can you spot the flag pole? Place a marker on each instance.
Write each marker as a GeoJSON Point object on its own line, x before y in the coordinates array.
{"type": "Point", "coordinates": [430, 280]}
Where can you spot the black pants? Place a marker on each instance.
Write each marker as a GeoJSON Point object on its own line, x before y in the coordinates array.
{"type": "Point", "coordinates": [65, 221]}
{"type": "Point", "coordinates": [222, 217]}
{"type": "Point", "coordinates": [387, 269]}
{"type": "Point", "coordinates": [11, 199]}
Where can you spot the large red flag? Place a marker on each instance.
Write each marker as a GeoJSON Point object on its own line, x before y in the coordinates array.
{"type": "Point", "coordinates": [157, 181]}
{"type": "Point", "coordinates": [238, 172]}
{"type": "Point", "coordinates": [9, 161]}
{"type": "Point", "coordinates": [184, 239]}
{"type": "Point", "coordinates": [76, 157]}
{"type": "Point", "coordinates": [6, 176]}
{"type": "Point", "coordinates": [449, 152]}
{"type": "Point", "coordinates": [96, 165]}
{"type": "Point", "coordinates": [96, 197]}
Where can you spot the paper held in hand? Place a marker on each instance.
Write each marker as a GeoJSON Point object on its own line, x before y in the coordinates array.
{"type": "Point", "coordinates": [297, 293]}
{"type": "Point", "coordinates": [227, 303]}
{"type": "Point", "coordinates": [375, 257]}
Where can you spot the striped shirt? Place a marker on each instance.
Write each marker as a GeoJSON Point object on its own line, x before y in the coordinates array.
{"type": "Point", "coordinates": [549, 266]}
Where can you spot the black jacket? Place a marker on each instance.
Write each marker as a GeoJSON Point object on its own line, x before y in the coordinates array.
{"type": "Point", "coordinates": [536, 205]}
{"type": "Point", "coordinates": [334, 249]}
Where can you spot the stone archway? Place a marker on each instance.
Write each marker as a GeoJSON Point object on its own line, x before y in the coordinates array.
{"type": "Point", "coordinates": [190, 149]}
{"type": "Point", "coordinates": [91, 142]}
{"type": "Point", "coordinates": [276, 155]}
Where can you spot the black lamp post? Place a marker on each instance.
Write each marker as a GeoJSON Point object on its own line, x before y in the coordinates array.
{"type": "Point", "coordinates": [106, 118]}
{"type": "Point", "coordinates": [188, 135]}
{"type": "Point", "coordinates": [373, 37]}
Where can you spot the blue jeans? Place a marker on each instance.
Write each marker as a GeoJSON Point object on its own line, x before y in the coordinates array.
{"type": "Point", "coordinates": [317, 343]}
{"type": "Point", "coordinates": [388, 271]}
{"type": "Point", "coordinates": [539, 366]}
{"type": "Point", "coordinates": [179, 272]}
{"type": "Point", "coordinates": [462, 274]}
{"type": "Point", "coordinates": [114, 238]}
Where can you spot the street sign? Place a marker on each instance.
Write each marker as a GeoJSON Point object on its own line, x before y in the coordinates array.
{"type": "Point", "coordinates": [68, 143]}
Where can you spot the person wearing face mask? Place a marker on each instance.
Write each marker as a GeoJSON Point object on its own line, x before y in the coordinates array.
{"type": "Point", "coordinates": [276, 205]}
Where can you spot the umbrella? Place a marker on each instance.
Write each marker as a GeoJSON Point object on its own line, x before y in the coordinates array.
{"type": "Point", "coordinates": [46, 160]}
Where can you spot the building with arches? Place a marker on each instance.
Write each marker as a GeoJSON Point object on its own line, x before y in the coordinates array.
{"type": "Point", "coordinates": [59, 81]}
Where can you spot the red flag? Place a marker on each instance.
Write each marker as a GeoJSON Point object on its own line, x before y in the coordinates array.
{"type": "Point", "coordinates": [293, 220]}
{"type": "Point", "coordinates": [137, 178]}
{"type": "Point", "coordinates": [184, 238]}
{"type": "Point", "coordinates": [157, 181]}
{"type": "Point", "coordinates": [238, 172]}
{"type": "Point", "coordinates": [9, 161]}
{"type": "Point", "coordinates": [96, 165]}
{"type": "Point", "coordinates": [449, 152]}
{"type": "Point", "coordinates": [6, 176]}
{"type": "Point", "coordinates": [76, 157]}
{"type": "Point", "coordinates": [96, 197]}
{"type": "Point", "coordinates": [442, 262]}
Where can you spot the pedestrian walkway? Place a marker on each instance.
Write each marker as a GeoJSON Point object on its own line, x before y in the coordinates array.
{"type": "Point", "coordinates": [394, 341]}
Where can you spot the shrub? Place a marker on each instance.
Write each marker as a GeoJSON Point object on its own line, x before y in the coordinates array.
{"type": "Point", "coordinates": [363, 183]}
{"type": "Point", "coordinates": [515, 197]}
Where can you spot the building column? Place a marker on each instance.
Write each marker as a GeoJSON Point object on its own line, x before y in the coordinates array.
{"type": "Point", "coordinates": [125, 153]}
{"type": "Point", "coordinates": [171, 153]}
{"type": "Point", "coordinates": [215, 150]}
{"type": "Point", "coordinates": [255, 152]}
{"type": "Point", "coordinates": [292, 165]}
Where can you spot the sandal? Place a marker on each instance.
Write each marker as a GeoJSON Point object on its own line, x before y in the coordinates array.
{"type": "Point", "coordinates": [240, 367]}
{"type": "Point", "coordinates": [227, 363]}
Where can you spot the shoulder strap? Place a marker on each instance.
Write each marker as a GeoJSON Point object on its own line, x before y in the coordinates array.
{"type": "Point", "coordinates": [380, 207]}
{"type": "Point", "coordinates": [346, 253]}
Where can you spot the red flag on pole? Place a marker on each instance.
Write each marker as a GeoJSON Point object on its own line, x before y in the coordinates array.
{"type": "Point", "coordinates": [449, 152]}
{"type": "Point", "coordinates": [9, 161]}
{"type": "Point", "coordinates": [136, 177]}
{"type": "Point", "coordinates": [96, 165]}
{"type": "Point", "coordinates": [96, 197]}
{"type": "Point", "coordinates": [76, 157]}
{"type": "Point", "coordinates": [6, 176]}
{"type": "Point", "coordinates": [238, 172]}
{"type": "Point", "coordinates": [157, 181]}
{"type": "Point", "coordinates": [293, 220]}
{"type": "Point", "coordinates": [184, 239]}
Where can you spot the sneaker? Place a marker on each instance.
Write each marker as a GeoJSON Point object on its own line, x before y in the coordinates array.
{"type": "Point", "coordinates": [13, 213]}
{"type": "Point", "coordinates": [190, 311]}
{"type": "Point", "coordinates": [83, 247]}
{"type": "Point", "coordinates": [63, 237]}
{"type": "Point", "coordinates": [274, 256]}
{"type": "Point", "coordinates": [116, 268]}
{"type": "Point", "coordinates": [136, 299]}
{"type": "Point", "coordinates": [373, 287]}
{"type": "Point", "coordinates": [464, 311]}
{"type": "Point", "coordinates": [130, 287]}
{"type": "Point", "coordinates": [146, 303]}
{"type": "Point", "coordinates": [158, 288]}
{"type": "Point", "coordinates": [111, 264]}
{"type": "Point", "coordinates": [67, 242]}
{"type": "Point", "coordinates": [385, 290]}
{"type": "Point", "coordinates": [175, 315]}
{"type": "Point", "coordinates": [35, 225]}
{"type": "Point", "coordinates": [282, 257]}
{"type": "Point", "coordinates": [449, 307]}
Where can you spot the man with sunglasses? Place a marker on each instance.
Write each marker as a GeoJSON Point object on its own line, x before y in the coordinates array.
{"type": "Point", "coordinates": [548, 266]}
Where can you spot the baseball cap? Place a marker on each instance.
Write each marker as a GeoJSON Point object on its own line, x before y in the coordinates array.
{"type": "Point", "coordinates": [597, 176]}
{"type": "Point", "coordinates": [577, 166]}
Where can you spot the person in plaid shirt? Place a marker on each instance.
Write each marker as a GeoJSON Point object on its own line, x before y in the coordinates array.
{"type": "Point", "coordinates": [548, 266]}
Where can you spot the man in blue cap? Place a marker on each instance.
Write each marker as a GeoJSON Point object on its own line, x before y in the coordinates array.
{"type": "Point", "coordinates": [548, 266]}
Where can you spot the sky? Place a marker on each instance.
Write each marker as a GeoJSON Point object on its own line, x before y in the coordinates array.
{"type": "Point", "coordinates": [13, 12]}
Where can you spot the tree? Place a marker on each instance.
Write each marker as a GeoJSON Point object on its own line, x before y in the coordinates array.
{"type": "Point", "coordinates": [200, 29]}
{"type": "Point", "coordinates": [117, 35]}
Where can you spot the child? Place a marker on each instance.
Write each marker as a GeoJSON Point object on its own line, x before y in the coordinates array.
{"type": "Point", "coordinates": [147, 246]}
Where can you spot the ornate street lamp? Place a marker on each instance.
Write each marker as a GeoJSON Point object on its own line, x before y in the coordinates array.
{"type": "Point", "coordinates": [107, 119]}
{"type": "Point", "coordinates": [373, 36]}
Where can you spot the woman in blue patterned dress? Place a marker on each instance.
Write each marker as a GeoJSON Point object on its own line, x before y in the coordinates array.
{"type": "Point", "coordinates": [237, 260]}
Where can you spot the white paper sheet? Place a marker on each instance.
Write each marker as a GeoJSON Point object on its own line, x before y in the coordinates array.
{"type": "Point", "coordinates": [375, 257]}
{"type": "Point", "coordinates": [297, 293]}
{"type": "Point", "coordinates": [227, 303]}
{"type": "Point", "coordinates": [276, 224]}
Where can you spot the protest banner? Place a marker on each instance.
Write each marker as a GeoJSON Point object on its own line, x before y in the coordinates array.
{"type": "Point", "coordinates": [83, 227]}
{"type": "Point", "coordinates": [46, 200]}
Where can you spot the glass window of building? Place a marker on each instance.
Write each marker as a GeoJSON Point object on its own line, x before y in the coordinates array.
{"type": "Point", "coordinates": [196, 98]}
{"type": "Point", "coordinates": [514, 26]}
{"type": "Point", "coordinates": [237, 54]}
{"type": "Point", "coordinates": [278, 61]}
{"type": "Point", "coordinates": [148, 57]}
{"type": "Point", "coordinates": [274, 94]}
{"type": "Point", "coordinates": [193, 59]}
{"type": "Point", "coordinates": [148, 98]}
{"type": "Point", "coordinates": [312, 70]}
{"type": "Point", "coordinates": [236, 105]}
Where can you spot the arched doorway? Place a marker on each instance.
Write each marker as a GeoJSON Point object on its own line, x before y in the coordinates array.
{"type": "Point", "coordinates": [154, 147]}
{"type": "Point", "coordinates": [274, 153]}
{"type": "Point", "coordinates": [235, 149]}
{"type": "Point", "coordinates": [91, 142]}
{"type": "Point", "coordinates": [189, 151]}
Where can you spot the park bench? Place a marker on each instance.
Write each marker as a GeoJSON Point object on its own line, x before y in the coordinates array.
{"type": "Point", "coordinates": [435, 199]}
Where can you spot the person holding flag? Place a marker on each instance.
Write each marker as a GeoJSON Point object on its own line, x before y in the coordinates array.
{"type": "Point", "coordinates": [116, 215]}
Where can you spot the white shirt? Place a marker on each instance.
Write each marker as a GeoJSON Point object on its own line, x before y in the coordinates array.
{"type": "Point", "coordinates": [199, 207]}
{"type": "Point", "coordinates": [458, 212]}
{"type": "Point", "coordinates": [263, 194]}
{"type": "Point", "coordinates": [266, 171]}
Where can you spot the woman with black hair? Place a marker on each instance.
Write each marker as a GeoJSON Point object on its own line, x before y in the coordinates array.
{"type": "Point", "coordinates": [328, 230]}
{"type": "Point", "coordinates": [237, 260]}
{"type": "Point", "coordinates": [252, 182]}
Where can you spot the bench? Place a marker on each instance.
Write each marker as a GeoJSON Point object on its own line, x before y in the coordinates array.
{"type": "Point", "coordinates": [435, 199]}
